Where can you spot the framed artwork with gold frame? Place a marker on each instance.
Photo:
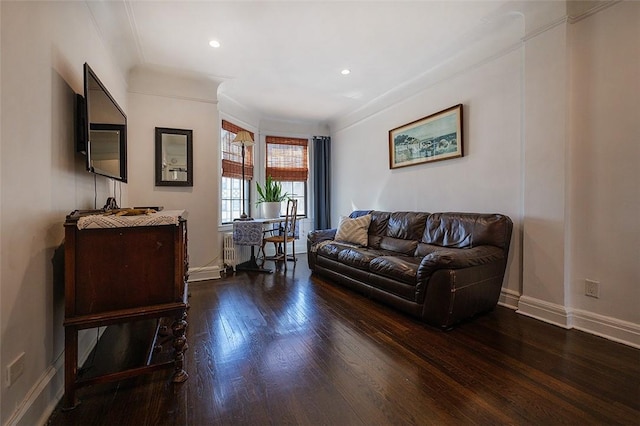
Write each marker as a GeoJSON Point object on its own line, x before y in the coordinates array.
{"type": "Point", "coordinates": [435, 137]}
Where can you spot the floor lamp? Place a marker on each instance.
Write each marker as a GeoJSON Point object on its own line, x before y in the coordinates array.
{"type": "Point", "coordinates": [243, 138]}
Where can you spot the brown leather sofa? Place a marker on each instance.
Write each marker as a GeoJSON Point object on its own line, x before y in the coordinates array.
{"type": "Point", "coordinates": [442, 268]}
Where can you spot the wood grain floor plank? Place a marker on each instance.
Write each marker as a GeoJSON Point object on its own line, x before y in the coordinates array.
{"type": "Point", "coordinates": [293, 349]}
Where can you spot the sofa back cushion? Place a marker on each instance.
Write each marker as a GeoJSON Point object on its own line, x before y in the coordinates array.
{"type": "Point", "coordinates": [407, 225]}
{"type": "Point", "coordinates": [466, 230]}
{"type": "Point", "coordinates": [354, 230]}
{"type": "Point", "coordinates": [379, 223]}
{"type": "Point", "coordinates": [378, 227]}
{"type": "Point", "coordinates": [358, 213]}
{"type": "Point", "coordinates": [398, 245]}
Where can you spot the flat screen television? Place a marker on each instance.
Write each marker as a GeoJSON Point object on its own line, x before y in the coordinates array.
{"type": "Point", "coordinates": [104, 133]}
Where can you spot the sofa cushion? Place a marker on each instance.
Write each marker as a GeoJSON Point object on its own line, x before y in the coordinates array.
{"type": "Point", "coordinates": [379, 223]}
{"type": "Point", "coordinates": [358, 258]}
{"type": "Point", "coordinates": [354, 230]}
{"type": "Point", "coordinates": [331, 249]}
{"type": "Point", "coordinates": [426, 249]}
{"type": "Point", "coordinates": [401, 268]}
{"type": "Point", "coordinates": [396, 245]}
{"type": "Point", "coordinates": [378, 227]}
{"type": "Point", "coordinates": [374, 241]}
{"type": "Point", "coordinates": [464, 230]}
{"type": "Point", "coordinates": [407, 225]}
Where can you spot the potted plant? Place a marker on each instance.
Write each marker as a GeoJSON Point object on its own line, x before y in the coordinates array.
{"type": "Point", "coordinates": [270, 196]}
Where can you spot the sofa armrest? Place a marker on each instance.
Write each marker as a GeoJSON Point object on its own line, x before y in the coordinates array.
{"type": "Point", "coordinates": [314, 238]}
{"type": "Point", "coordinates": [458, 283]}
{"type": "Point", "coordinates": [453, 295]}
{"type": "Point", "coordinates": [457, 259]}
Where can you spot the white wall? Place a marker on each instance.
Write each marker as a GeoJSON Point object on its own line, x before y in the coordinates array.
{"type": "Point", "coordinates": [594, 207]}
{"type": "Point", "coordinates": [158, 100]}
{"type": "Point", "coordinates": [551, 139]}
{"type": "Point", "coordinates": [604, 205]}
{"type": "Point", "coordinates": [44, 45]}
{"type": "Point", "coordinates": [487, 179]}
{"type": "Point", "coordinates": [581, 177]}
{"type": "Point", "coordinates": [545, 140]}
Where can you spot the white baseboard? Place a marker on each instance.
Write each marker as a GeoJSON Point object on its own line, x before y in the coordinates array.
{"type": "Point", "coordinates": [42, 399]}
{"type": "Point", "coordinates": [35, 409]}
{"type": "Point", "coordinates": [44, 396]}
{"type": "Point", "coordinates": [204, 273]}
{"type": "Point", "coordinates": [610, 328]}
{"type": "Point", "coordinates": [544, 311]}
{"type": "Point", "coordinates": [509, 298]}
{"type": "Point", "coordinates": [607, 327]}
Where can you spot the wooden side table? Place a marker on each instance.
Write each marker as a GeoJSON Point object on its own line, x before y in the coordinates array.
{"type": "Point", "coordinates": [120, 270]}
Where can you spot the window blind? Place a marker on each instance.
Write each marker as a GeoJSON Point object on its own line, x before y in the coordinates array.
{"type": "Point", "coordinates": [286, 159]}
{"type": "Point", "coordinates": [232, 154]}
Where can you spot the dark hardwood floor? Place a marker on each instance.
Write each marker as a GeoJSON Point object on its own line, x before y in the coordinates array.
{"type": "Point", "coordinates": [294, 349]}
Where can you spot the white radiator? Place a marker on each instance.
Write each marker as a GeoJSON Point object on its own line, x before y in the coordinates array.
{"type": "Point", "coordinates": [229, 251]}
{"type": "Point", "coordinates": [232, 255]}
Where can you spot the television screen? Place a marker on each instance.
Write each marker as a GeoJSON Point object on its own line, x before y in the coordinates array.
{"type": "Point", "coordinates": [106, 146]}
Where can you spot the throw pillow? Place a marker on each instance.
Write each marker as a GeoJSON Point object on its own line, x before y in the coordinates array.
{"type": "Point", "coordinates": [354, 231]}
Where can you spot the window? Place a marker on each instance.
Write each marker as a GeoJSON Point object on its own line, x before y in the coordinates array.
{"type": "Point", "coordinates": [231, 185]}
{"type": "Point", "coordinates": [287, 162]}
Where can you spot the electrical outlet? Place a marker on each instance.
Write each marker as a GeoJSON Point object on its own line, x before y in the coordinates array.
{"type": "Point", "coordinates": [15, 369]}
{"type": "Point", "coordinates": [592, 288]}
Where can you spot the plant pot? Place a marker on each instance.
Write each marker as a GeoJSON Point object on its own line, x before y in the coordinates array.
{"type": "Point", "coordinates": [271, 210]}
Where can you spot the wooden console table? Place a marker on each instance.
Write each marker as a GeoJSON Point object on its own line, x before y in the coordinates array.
{"type": "Point", "coordinates": [122, 269]}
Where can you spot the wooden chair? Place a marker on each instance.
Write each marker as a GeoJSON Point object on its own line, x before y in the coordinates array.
{"type": "Point", "coordinates": [285, 234]}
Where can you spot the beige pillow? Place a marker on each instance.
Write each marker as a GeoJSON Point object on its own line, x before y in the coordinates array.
{"type": "Point", "coordinates": [354, 231]}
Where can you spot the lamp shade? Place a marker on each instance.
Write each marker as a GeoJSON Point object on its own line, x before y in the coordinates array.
{"type": "Point", "coordinates": [243, 138]}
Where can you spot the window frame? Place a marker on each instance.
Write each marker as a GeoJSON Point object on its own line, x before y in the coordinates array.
{"type": "Point", "coordinates": [300, 174]}
{"type": "Point", "coordinates": [228, 128]}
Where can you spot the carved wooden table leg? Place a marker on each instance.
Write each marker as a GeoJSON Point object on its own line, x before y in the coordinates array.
{"type": "Point", "coordinates": [179, 328]}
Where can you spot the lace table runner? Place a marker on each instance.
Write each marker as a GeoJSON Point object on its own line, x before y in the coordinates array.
{"type": "Point", "coordinates": [168, 217]}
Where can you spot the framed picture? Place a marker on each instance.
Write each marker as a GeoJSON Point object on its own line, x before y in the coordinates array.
{"type": "Point", "coordinates": [432, 138]}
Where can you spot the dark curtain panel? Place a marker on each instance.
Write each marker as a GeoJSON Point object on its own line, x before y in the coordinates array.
{"type": "Point", "coordinates": [322, 179]}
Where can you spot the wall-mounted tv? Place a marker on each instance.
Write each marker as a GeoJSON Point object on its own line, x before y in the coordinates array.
{"type": "Point", "coordinates": [105, 134]}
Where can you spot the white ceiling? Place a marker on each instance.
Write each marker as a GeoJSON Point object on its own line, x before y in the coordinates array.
{"type": "Point", "coordinates": [283, 59]}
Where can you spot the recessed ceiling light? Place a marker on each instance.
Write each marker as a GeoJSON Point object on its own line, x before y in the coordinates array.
{"type": "Point", "coordinates": [214, 43]}
{"type": "Point", "coordinates": [345, 72]}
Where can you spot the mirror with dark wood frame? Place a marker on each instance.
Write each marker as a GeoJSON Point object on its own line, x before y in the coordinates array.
{"type": "Point", "coordinates": [174, 157]}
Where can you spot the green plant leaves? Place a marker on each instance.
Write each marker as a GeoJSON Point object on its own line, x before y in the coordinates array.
{"type": "Point", "coordinates": [272, 191]}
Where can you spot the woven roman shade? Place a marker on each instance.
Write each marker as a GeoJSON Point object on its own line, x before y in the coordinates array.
{"type": "Point", "coordinates": [286, 159]}
{"type": "Point", "coordinates": [232, 154]}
